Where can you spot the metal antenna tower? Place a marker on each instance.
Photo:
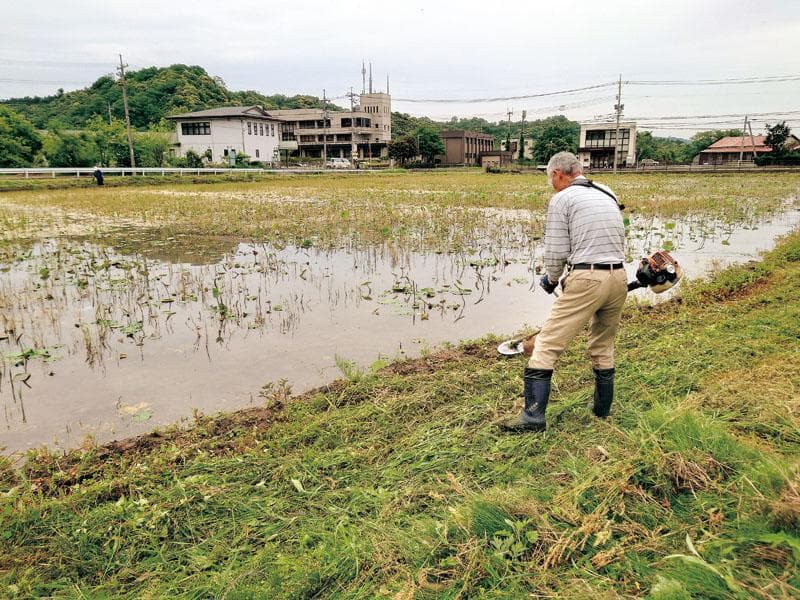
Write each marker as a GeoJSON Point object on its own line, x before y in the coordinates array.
{"type": "Point", "coordinates": [363, 78]}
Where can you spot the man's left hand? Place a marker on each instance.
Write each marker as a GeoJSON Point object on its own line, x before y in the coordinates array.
{"type": "Point", "coordinates": [547, 285]}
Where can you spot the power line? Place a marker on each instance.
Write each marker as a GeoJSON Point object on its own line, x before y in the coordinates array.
{"type": "Point", "coordinates": [504, 98]}
{"type": "Point", "coordinates": [664, 82]}
{"type": "Point", "coordinates": [538, 109]}
{"type": "Point", "coordinates": [44, 82]}
{"type": "Point", "coordinates": [44, 62]}
{"type": "Point", "coordinates": [731, 81]}
{"type": "Point", "coordinates": [736, 115]}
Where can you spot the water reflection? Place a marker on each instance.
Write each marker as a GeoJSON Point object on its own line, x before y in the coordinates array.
{"type": "Point", "coordinates": [114, 339]}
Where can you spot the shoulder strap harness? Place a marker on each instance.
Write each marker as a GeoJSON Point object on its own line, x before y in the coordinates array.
{"type": "Point", "coordinates": [591, 184]}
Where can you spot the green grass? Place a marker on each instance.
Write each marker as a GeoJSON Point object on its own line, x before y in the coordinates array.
{"type": "Point", "coordinates": [395, 483]}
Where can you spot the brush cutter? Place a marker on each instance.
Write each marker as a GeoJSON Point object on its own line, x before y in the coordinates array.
{"type": "Point", "coordinates": [659, 272]}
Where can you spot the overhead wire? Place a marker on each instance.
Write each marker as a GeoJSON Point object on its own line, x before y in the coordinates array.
{"type": "Point", "coordinates": [44, 82]}
{"type": "Point", "coordinates": [504, 98]}
{"type": "Point", "coordinates": [732, 81]}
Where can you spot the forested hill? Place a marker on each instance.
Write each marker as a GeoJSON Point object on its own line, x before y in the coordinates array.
{"type": "Point", "coordinates": [153, 93]}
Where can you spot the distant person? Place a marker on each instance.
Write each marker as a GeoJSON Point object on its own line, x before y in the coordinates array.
{"type": "Point", "coordinates": [585, 234]}
{"type": "Point", "coordinates": [98, 175]}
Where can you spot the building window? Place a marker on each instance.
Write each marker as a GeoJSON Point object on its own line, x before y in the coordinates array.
{"type": "Point", "coordinates": [273, 130]}
{"type": "Point", "coordinates": [249, 128]}
{"type": "Point", "coordinates": [203, 128]}
{"type": "Point", "coordinates": [257, 153]}
{"type": "Point", "coordinates": [261, 128]}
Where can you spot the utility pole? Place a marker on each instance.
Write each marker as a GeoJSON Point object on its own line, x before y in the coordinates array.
{"type": "Point", "coordinates": [522, 137]}
{"type": "Point", "coordinates": [353, 147]}
{"type": "Point", "coordinates": [618, 107]}
{"type": "Point", "coordinates": [110, 119]}
{"type": "Point", "coordinates": [324, 129]}
{"type": "Point", "coordinates": [752, 140]}
{"type": "Point", "coordinates": [744, 132]}
{"type": "Point", "coordinates": [509, 112]}
{"type": "Point", "coordinates": [127, 114]}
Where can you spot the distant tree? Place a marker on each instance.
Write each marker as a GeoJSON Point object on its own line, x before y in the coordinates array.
{"type": "Point", "coordinates": [403, 148]}
{"type": "Point", "coordinates": [703, 139]}
{"type": "Point", "coordinates": [430, 143]}
{"type": "Point", "coordinates": [776, 137]}
{"type": "Point", "coordinates": [559, 134]}
{"type": "Point", "coordinates": [19, 142]}
{"type": "Point", "coordinates": [64, 149]}
{"type": "Point", "coordinates": [110, 140]}
{"type": "Point", "coordinates": [153, 93]}
{"type": "Point", "coordinates": [645, 145]}
{"type": "Point", "coordinates": [152, 149]}
{"type": "Point", "coordinates": [194, 160]}
{"type": "Point", "coordinates": [404, 124]}
{"type": "Point", "coordinates": [666, 150]}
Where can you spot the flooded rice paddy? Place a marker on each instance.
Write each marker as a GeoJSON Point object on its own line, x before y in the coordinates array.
{"type": "Point", "coordinates": [115, 332]}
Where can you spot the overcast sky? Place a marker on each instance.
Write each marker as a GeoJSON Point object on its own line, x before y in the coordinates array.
{"type": "Point", "coordinates": [432, 50]}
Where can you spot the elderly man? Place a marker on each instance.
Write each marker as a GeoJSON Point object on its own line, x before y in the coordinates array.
{"type": "Point", "coordinates": [585, 236]}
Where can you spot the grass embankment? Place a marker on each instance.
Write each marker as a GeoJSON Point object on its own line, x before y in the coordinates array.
{"type": "Point", "coordinates": [397, 485]}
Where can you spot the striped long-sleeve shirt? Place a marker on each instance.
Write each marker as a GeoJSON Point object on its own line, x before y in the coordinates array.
{"type": "Point", "coordinates": [584, 225]}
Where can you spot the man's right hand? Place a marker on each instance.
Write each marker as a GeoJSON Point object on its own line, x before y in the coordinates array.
{"type": "Point", "coordinates": [547, 285]}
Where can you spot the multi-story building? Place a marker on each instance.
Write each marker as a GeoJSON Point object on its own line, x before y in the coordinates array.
{"type": "Point", "coordinates": [465, 147]}
{"type": "Point", "coordinates": [222, 133]}
{"type": "Point", "coordinates": [362, 132]}
{"type": "Point", "coordinates": [598, 145]}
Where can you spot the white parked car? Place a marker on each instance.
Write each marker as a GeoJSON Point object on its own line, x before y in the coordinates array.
{"type": "Point", "coordinates": [338, 163]}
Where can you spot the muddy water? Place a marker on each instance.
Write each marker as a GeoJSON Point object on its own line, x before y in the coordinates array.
{"type": "Point", "coordinates": [110, 340]}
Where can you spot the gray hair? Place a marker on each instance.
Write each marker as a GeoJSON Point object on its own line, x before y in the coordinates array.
{"type": "Point", "coordinates": [566, 162]}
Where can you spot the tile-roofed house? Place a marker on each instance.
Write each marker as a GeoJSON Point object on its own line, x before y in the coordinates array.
{"type": "Point", "coordinates": [732, 148]}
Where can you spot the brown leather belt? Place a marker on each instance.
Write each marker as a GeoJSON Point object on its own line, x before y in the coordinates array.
{"type": "Point", "coordinates": [598, 266]}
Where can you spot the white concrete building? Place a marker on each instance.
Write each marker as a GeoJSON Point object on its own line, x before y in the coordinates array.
{"type": "Point", "coordinates": [229, 131]}
{"type": "Point", "coordinates": [597, 145]}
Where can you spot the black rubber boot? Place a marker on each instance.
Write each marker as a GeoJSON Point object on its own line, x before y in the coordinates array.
{"type": "Point", "coordinates": [537, 395]}
{"type": "Point", "coordinates": [603, 392]}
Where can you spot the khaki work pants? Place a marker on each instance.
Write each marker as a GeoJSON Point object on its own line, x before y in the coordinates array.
{"type": "Point", "coordinates": [592, 296]}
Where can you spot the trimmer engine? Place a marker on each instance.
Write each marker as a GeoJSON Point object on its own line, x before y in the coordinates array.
{"type": "Point", "coordinates": [659, 272]}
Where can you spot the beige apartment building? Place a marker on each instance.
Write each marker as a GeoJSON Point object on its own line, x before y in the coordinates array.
{"type": "Point", "coordinates": [598, 143]}
{"type": "Point", "coordinates": [363, 132]}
